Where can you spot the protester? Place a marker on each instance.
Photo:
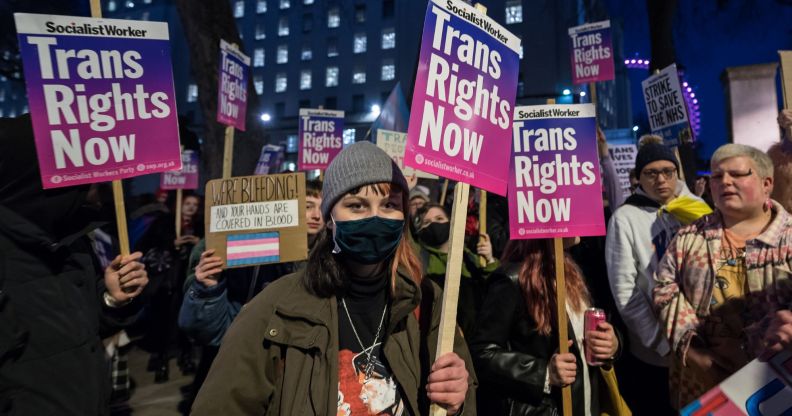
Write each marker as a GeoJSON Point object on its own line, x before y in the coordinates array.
{"type": "Point", "coordinates": [723, 287]}
{"type": "Point", "coordinates": [433, 235]}
{"type": "Point", "coordinates": [213, 297]}
{"type": "Point", "coordinates": [318, 341]}
{"type": "Point", "coordinates": [56, 303]}
{"type": "Point", "coordinates": [637, 237]}
{"type": "Point", "coordinates": [634, 183]}
{"type": "Point", "coordinates": [516, 346]}
{"type": "Point", "coordinates": [418, 199]}
{"type": "Point", "coordinates": [610, 179]}
{"type": "Point", "coordinates": [166, 259]}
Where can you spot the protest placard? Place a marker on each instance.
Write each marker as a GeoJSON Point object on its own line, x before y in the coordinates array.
{"type": "Point", "coordinates": [665, 107]}
{"type": "Point", "coordinates": [591, 50]}
{"type": "Point", "coordinates": [270, 159]}
{"type": "Point", "coordinates": [101, 97]}
{"type": "Point", "coordinates": [257, 219]}
{"type": "Point", "coordinates": [320, 138]}
{"type": "Point", "coordinates": [554, 179]}
{"type": "Point", "coordinates": [623, 157]}
{"type": "Point", "coordinates": [186, 177]}
{"type": "Point", "coordinates": [759, 388]}
{"type": "Point", "coordinates": [464, 97]}
{"type": "Point", "coordinates": [232, 86]}
{"type": "Point", "coordinates": [393, 143]}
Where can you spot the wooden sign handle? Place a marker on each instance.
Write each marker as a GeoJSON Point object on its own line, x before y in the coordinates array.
{"type": "Point", "coordinates": [228, 152]}
{"type": "Point", "coordinates": [178, 212]}
{"type": "Point", "coordinates": [483, 221]}
{"type": "Point", "coordinates": [563, 336]}
{"type": "Point", "coordinates": [443, 193]}
{"type": "Point", "coordinates": [445, 338]}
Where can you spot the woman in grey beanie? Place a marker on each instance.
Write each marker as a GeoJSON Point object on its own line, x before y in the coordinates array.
{"type": "Point", "coordinates": [354, 332]}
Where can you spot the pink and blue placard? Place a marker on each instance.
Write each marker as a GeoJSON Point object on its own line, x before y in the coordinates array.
{"type": "Point", "coordinates": [591, 50]}
{"type": "Point", "coordinates": [101, 98]}
{"type": "Point", "coordinates": [665, 106]}
{"type": "Point", "coordinates": [554, 176]}
{"type": "Point", "coordinates": [270, 160]}
{"type": "Point", "coordinates": [186, 178]}
{"type": "Point", "coordinates": [460, 122]}
{"type": "Point", "coordinates": [320, 138]}
{"type": "Point", "coordinates": [232, 86]}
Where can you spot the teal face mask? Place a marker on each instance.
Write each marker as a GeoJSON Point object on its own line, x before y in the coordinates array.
{"type": "Point", "coordinates": [369, 240]}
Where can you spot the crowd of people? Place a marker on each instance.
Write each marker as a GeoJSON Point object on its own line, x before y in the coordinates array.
{"type": "Point", "coordinates": [696, 284]}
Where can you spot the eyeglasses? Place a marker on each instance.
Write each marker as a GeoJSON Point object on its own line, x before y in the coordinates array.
{"type": "Point", "coordinates": [735, 174]}
{"type": "Point", "coordinates": [652, 174]}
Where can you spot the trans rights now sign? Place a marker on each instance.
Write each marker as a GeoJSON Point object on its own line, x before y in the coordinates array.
{"type": "Point", "coordinates": [232, 86]}
{"type": "Point", "coordinates": [554, 176]}
{"type": "Point", "coordinates": [464, 97]}
{"type": "Point", "coordinates": [186, 178]}
{"type": "Point", "coordinates": [591, 47]}
{"type": "Point", "coordinates": [321, 138]}
{"type": "Point", "coordinates": [101, 97]}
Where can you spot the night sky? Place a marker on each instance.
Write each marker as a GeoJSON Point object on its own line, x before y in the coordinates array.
{"type": "Point", "coordinates": [709, 37]}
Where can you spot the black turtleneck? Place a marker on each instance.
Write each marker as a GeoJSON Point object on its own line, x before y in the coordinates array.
{"type": "Point", "coordinates": [365, 298]}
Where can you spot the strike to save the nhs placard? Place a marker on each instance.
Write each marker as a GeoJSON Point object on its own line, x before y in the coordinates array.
{"type": "Point", "coordinates": [101, 97]}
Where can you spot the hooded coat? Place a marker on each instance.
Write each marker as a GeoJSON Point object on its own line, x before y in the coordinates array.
{"type": "Point", "coordinates": [52, 312]}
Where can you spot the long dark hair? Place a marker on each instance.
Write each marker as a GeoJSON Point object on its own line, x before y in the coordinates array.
{"type": "Point", "coordinates": [537, 280]}
{"type": "Point", "coordinates": [324, 276]}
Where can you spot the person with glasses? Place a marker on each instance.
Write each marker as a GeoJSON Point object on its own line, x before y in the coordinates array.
{"type": "Point", "coordinates": [638, 233]}
{"type": "Point", "coordinates": [723, 288]}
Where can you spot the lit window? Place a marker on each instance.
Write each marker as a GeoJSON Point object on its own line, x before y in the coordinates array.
{"type": "Point", "coordinates": [260, 32]}
{"type": "Point", "coordinates": [283, 54]}
{"type": "Point", "coordinates": [258, 84]}
{"type": "Point", "coordinates": [283, 26]}
{"type": "Point", "coordinates": [239, 9]}
{"type": "Point", "coordinates": [280, 82]}
{"type": "Point", "coordinates": [306, 54]}
{"type": "Point", "coordinates": [360, 43]}
{"type": "Point", "coordinates": [146, 1]}
{"type": "Point", "coordinates": [291, 144]}
{"type": "Point", "coordinates": [359, 76]}
{"type": "Point", "coordinates": [331, 78]}
{"type": "Point", "coordinates": [333, 17]}
{"type": "Point", "coordinates": [349, 137]}
{"type": "Point", "coordinates": [308, 1]}
{"type": "Point", "coordinates": [261, 6]}
{"type": "Point", "coordinates": [388, 38]}
{"type": "Point", "coordinates": [388, 70]}
{"type": "Point", "coordinates": [284, 4]}
{"type": "Point", "coordinates": [145, 16]}
{"type": "Point", "coordinates": [192, 93]}
{"type": "Point", "coordinates": [111, 6]}
{"type": "Point", "coordinates": [332, 48]}
{"type": "Point", "coordinates": [258, 57]}
{"type": "Point", "coordinates": [130, 4]}
{"type": "Point", "coordinates": [2, 95]}
{"type": "Point", "coordinates": [360, 13]}
{"type": "Point", "coordinates": [305, 79]}
{"type": "Point", "coordinates": [513, 11]}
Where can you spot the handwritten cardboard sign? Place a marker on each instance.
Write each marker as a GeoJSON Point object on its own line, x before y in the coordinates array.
{"type": "Point", "coordinates": [232, 86]}
{"type": "Point", "coordinates": [393, 143]}
{"type": "Point", "coordinates": [665, 106]}
{"type": "Point", "coordinates": [320, 136]}
{"type": "Point", "coordinates": [257, 219]}
{"type": "Point", "coordinates": [591, 48]}
{"type": "Point", "coordinates": [186, 178]}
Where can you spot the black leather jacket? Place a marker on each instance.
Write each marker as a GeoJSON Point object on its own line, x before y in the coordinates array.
{"type": "Point", "coordinates": [511, 356]}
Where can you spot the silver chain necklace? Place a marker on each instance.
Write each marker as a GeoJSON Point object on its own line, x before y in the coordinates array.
{"type": "Point", "coordinates": [368, 351]}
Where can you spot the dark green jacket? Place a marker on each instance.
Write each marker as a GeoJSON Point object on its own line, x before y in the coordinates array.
{"type": "Point", "coordinates": [280, 356]}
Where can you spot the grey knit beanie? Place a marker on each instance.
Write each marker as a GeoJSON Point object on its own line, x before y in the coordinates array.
{"type": "Point", "coordinates": [360, 164]}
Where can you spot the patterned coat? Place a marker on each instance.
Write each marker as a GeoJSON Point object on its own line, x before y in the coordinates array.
{"type": "Point", "coordinates": [689, 267]}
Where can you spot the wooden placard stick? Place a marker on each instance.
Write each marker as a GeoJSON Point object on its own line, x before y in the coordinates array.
{"type": "Point", "coordinates": [443, 193]}
{"type": "Point", "coordinates": [178, 212]}
{"type": "Point", "coordinates": [118, 187]}
{"type": "Point", "coordinates": [786, 84]}
{"type": "Point", "coordinates": [482, 221]}
{"type": "Point", "coordinates": [448, 321]}
{"type": "Point", "coordinates": [563, 336]}
{"type": "Point", "coordinates": [228, 152]}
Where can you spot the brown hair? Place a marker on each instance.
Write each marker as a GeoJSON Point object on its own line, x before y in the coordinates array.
{"type": "Point", "coordinates": [323, 276]}
{"type": "Point", "coordinates": [537, 280]}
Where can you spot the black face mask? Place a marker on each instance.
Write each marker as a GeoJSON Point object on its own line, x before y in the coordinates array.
{"type": "Point", "coordinates": [435, 234]}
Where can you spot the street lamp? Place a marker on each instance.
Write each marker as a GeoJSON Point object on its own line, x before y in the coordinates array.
{"type": "Point", "coordinates": [375, 110]}
{"type": "Point", "coordinates": [265, 117]}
